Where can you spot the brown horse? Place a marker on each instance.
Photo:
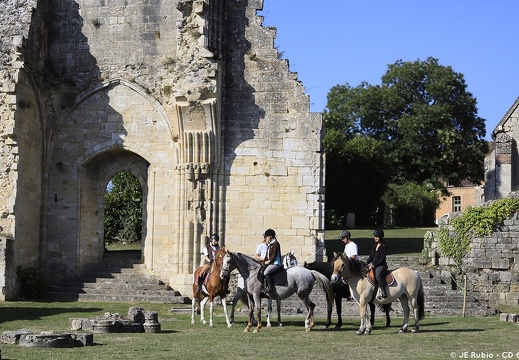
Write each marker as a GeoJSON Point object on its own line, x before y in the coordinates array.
{"type": "Point", "coordinates": [210, 290]}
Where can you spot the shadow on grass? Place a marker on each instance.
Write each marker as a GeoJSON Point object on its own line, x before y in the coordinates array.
{"type": "Point", "coordinates": [36, 313]}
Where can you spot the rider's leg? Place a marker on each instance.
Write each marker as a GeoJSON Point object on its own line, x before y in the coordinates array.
{"type": "Point", "coordinates": [380, 274]}
{"type": "Point", "coordinates": [201, 277]}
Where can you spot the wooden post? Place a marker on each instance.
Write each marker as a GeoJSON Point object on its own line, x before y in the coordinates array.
{"type": "Point", "coordinates": [464, 294]}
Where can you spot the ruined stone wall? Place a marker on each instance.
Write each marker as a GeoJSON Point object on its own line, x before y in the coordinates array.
{"type": "Point", "coordinates": [188, 95]}
{"type": "Point", "coordinates": [492, 265]}
{"type": "Point", "coordinates": [501, 164]}
{"type": "Point", "coordinates": [272, 143]}
{"type": "Point", "coordinates": [21, 135]}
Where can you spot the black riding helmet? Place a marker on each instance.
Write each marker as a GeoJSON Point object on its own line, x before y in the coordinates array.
{"type": "Point", "coordinates": [269, 232]}
{"type": "Point", "coordinates": [378, 233]}
{"type": "Point", "coordinates": [215, 237]}
{"type": "Point", "coordinates": [345, 234]}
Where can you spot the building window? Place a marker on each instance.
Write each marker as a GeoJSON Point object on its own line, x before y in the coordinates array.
{"type": "Point", "coordinates": [456, 203]}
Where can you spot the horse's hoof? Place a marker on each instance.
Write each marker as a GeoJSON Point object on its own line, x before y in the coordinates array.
{"type": "Point", "coordinates": [211, 325]}
{"type": "Point", "coordinates": [256, 330]}
{"type": "Point", "coordinates": [280, 324]}
{"type": "Point", "coordinates": [229, 326]}
{"type": "Point", "coordinates": [414, 331]}
{"type": "Point", "coordinates": [358, 332]}
{"type": "Point", "coordinates": [269, 325]}
{"type": "Point", "coordinates": [193, 322]}
{"type": "Point", "coordinates": [246, 330]}
{"type": "Point", "coordinates": [401, 331]}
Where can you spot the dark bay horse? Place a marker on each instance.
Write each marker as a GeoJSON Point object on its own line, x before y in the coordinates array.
{"type": "Point", "coordinates": [341, 290]}
{"type": "Point", "coordinates": [214, 287]}
{"type": "Point", "coordinates": [299, 281]}
{"type": "Point", "coordinates": [289, 260]}
{"type": "Point", "coordinates": [407, 286]}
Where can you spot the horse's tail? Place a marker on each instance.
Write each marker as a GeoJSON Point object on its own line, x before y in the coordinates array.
{"type": "Point", "coordinates": [420, 300]}
{"type": "Point", "coordinates": [325, 284]}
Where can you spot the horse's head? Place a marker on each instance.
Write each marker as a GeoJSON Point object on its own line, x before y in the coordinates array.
{"type": "Point", "coordinates": [341, 265]}
{"type": "Point", "coordinates": [226, 265]}
{"type": "Point", "coordinates": [218, 258]}
{"type": "Point", "coordinates": [289, 260]}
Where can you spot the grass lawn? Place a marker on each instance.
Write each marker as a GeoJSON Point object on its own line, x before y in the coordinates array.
{"type": "Point", "coordinates": [400, 241]}
{"type": "Point", "coordinates": [439, 337]}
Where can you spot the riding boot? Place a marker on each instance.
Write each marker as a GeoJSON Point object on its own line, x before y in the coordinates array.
{"type": "Point", "coordinates": [270, 284]}
{"type": "Point", "coordinates": [382, 287]}
{"type": "Point", "coordinates": [200, 282]}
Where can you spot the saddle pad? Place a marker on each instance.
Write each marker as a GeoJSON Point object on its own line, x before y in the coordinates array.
{"type": "Point", "coordinates": [280, 276]}
{"type": "Point", "coordinates": [390, 279]}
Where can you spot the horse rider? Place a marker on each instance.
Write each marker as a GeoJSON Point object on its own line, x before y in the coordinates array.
{"type": "Point", "coordinates": [350, 248]}
{"type": "Point", "coordinates": [209, 251]}
{"type": "Point", "coordinates": [272, 259]}
{"type": "Point", "coordinates": [377, 261]}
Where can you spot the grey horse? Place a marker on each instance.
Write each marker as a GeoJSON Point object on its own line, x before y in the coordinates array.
{"type": "Point", "coordinates": [299, 281]}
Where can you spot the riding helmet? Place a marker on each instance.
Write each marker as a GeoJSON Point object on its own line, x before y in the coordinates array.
{"type": "Point", "coordinates": [345, 234]}
{"type": "Point", "coordinates": [269, 232]}
{"type": "Point", "coordinates": [215, 236]}
{"type": "Point", "coordinates": [378, 233]}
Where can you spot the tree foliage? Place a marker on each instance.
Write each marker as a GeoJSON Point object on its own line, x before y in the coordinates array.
{"type": "Point", "coordinates": [123, 209]}
{"type": "Point", "coordinates": [424, 120]}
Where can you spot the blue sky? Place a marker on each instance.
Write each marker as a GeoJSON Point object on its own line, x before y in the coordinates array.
{"type": "Point", "coordinates": [332, 42]}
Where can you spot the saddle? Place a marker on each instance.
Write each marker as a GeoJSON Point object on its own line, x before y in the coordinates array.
{"type": "Point", "coordinates": [390, 279]}
{"type": "Point", "coordinates": [280, 276]}
{"type": "Point", "coordinates": [206, 278]}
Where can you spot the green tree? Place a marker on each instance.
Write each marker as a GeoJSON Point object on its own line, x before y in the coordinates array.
{"type": "Point", "coordinates": [123, 209]}
{"type": "Point", "coordinates": [424, 118]}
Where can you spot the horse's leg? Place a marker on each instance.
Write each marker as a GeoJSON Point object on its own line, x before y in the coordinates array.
{"type": "Point", "coordinates": [211, 305]}
{"type": "Point", "coordinates": [414, 304]}
{"type": "Point", "coordinates": [202, 309]}
{"type": "Point", "coordinates": [310, 306]}
{"type": "Point", "coordinates": [338, 305]}
{"type": "Point", "coordinates": [372, 310]}
{"type": "Point", "coordinates": [193, 310]}
{"type": "Point", "coordinates": [251, 311]}
{"type": "Point", "coordinates": [235, 300]}
{"type": "Point", "coordinates": [257, 306]}
{"type": "Point", "coordinates": [405, 308]}
{"type": "Point", "coordinates": [365, 325]}
{"type": "Point", "coordinates": [224, 304]}
{"type": "Point", "coordinates": [269, 312]}
{"type": "Point", "coordinates": [278, 308]}
{"type": "Point", "coordinates": [387, 308]}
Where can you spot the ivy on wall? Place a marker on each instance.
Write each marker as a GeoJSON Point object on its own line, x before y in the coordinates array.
{"type": "Point", "coordinates": [473, 222]}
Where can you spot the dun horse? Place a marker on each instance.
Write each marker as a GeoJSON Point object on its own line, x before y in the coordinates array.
{"type": "Point", "coordinates": [341, 290]}
{"type": "Point", "coordinates": [289, 260]}
{"type": "Point", "coordinates": [299, 281]}
{"type": "Point", "coordinates": [214, 287]}
{"type": "Point", "coordinates": [407, 286]}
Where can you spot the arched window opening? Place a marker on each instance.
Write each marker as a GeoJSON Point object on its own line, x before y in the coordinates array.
{"type": "Point", "coordinates": [123, 213]}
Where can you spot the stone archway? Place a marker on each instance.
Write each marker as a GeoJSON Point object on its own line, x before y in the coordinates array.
{"type": "Point", "coordinates": [94, 176]}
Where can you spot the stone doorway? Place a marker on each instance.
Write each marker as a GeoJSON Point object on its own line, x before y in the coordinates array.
{"type": "Point", "coordinates": [94, 178]}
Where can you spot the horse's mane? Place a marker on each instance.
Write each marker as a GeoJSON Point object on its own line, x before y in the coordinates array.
{"type": "Point", "coordinates": [357, 266]}
{"type": "Point", "coordinates": [249, 257]}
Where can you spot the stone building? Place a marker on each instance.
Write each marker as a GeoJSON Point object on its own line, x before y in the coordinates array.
{"type": "Point", "coordinates": [190, 96]}
{"type": "Point", "coordinates": [502, 163]}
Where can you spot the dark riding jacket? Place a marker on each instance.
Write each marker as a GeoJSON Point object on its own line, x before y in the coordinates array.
{"type": "Point", "coordinates": [378, 257]}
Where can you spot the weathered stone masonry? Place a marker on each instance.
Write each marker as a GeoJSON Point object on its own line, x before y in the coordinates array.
{"type": "Point", "coordinates": [491, 266]}
{"type": "Point", "coordinates": [190, 96]}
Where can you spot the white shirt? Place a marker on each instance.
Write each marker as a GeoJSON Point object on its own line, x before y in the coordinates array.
{"type": "Point", "coordinates": [262, 250]}
{"type": "Point", "coordinates": [352, 250]}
